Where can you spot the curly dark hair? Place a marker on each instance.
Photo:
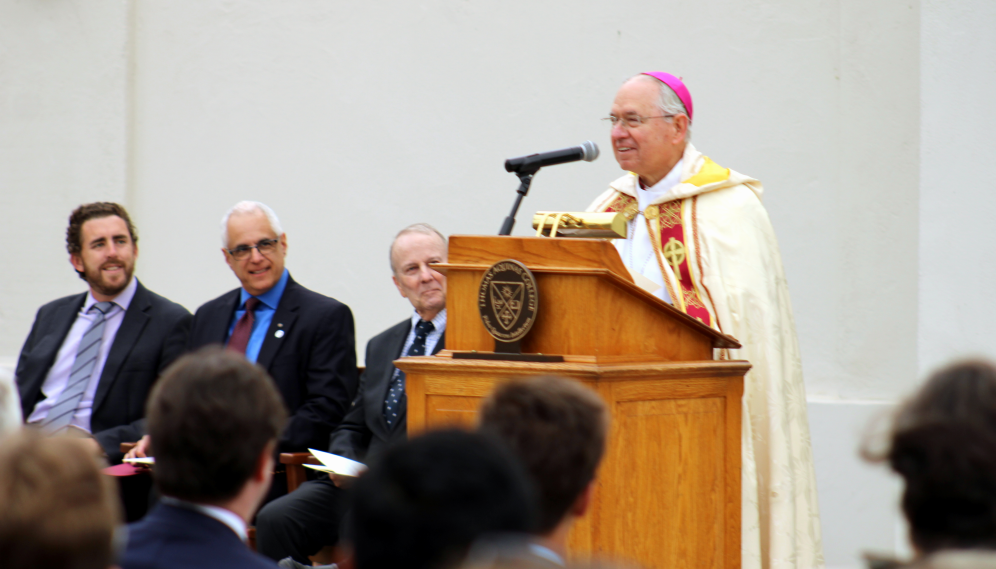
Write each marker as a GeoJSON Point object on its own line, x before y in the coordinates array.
{"type": "Point", "coordinates": [86, 212]}
{"type": "Point", "coordinates": [95, 210]}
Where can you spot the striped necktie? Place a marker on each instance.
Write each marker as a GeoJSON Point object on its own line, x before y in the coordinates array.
{"type": "Point", "coordinates": [61, 414]}
{"type": "Point", "coordinates": [396, 393]}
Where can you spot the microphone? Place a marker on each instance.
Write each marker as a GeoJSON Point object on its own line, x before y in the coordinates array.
{"type": "Point", "coordinates": [586, 151]}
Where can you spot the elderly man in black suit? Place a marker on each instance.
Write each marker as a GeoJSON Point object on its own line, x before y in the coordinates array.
{"type": "Point", "coordinates": [91, 358]}
{"type": "Point", "coordinates": [301, 523]}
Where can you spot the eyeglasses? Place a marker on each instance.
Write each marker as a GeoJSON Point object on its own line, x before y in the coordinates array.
{"type": "Point", "coordinates": [632, 121]}
{"type": "Point", "coordinates": [265, 247]}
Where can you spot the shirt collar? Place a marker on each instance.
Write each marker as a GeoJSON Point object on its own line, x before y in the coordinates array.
{"type": "Point", "coordinates": [546, 553]}
{"type": "Point", "coordinates": [672, 179]}
{"type": "Point", "coordinates": [270, 298]}
{"type": "Point", "coordinates": [438, 323]}
{"type": "Point", "coordinates": [123, 299]}
{"type": "Point", "coordinates": [227, 517]}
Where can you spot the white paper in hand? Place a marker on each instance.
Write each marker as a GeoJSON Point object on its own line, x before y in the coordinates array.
{"type": "Point", "coordinates": [337, 464]}
{"type": "Point", "coordinates": [149, 460]}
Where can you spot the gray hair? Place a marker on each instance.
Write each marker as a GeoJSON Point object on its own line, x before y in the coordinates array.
{"type": "Point", "coordinates": [424, 229]}
{"type": "Point", "coordinates": [245, 207]}
{"type": "Point", "coordinates": [668, 101]}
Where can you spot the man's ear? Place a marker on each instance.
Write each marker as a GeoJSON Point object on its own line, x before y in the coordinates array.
{"type": "Point", "coordinates": [680, 128]}
{"type": "Point", "coordinates": [264, 462]}
{"type": "Point", "coordinates": [583, 501]}
{"type": "Point", "coordinates": [228, 258]}
{"type": "Point", "coordinates": [401, 290]}
{"type": "Point", "coordinates": [283, 242]}
{"type": "Point", "coordinates": [76, 261]}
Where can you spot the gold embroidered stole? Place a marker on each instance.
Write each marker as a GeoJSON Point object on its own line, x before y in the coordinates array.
{"type": "Point", "coordinates": [668, 237]}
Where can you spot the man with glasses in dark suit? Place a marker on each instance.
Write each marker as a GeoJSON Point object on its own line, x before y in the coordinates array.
{"type": "Point", "coordinates": [303, 339]}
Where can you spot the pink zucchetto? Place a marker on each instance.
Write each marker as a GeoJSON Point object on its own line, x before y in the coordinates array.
{"type": "Point", "coordinates": [677, 86]}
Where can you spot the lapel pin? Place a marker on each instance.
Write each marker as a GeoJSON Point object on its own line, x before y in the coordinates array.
{"type": "Point", "coordinates": [279, 334]}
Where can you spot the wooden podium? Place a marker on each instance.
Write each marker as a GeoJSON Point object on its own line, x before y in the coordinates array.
{"type": "Point", "coordinates": [668, 490]}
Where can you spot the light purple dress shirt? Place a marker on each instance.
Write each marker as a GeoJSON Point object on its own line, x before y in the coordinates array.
{"type": "Point", "coordinates": [58, 376]}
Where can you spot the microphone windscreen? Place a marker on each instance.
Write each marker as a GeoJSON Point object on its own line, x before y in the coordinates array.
{"type": "Point", "coordinates": [590, 150]}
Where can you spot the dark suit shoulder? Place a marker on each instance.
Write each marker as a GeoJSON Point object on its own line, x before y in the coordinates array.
{"type": "Point", "coordinates": [171, 537]}
{"type": "Point", "coordinates": [300, 293]}
{"type": "Point", "coordinates": [226, 301]}
{"type": "Point", "coordinates": [210, 323]}
{"type": "Point", "coordinates": [392, 333]}
{"type": "Point", "coordinates": [165, 306]}
{"type": "Point", "coordinates": [71, 302]}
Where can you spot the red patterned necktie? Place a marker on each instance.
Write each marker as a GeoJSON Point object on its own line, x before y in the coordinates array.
{"type": "Point", "coordinates": [243, 328]}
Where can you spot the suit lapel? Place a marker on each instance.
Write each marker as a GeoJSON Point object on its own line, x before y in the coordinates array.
{"type": "Point", "coordinates": [216, 325]}
{"type": "Point", "coordinates": [283, 321]}
{"type": "Point", "coordinates": [58, 327]}
{"type": "Point", "coordinates": [375, 404]}
{"type": "Point", "coordinates": [136, 318]}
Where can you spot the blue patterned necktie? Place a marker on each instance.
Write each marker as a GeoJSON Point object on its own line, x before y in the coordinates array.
{"type": "Point", "coordinates": [61, 414]}
{"type": "Point", "coordinates": [396, 393]}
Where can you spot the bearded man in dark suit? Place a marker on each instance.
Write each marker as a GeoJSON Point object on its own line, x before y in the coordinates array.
{"type": "Point", "coordinates": [90, 360]}
{"type": "Point", "coordinates": [301, 523]}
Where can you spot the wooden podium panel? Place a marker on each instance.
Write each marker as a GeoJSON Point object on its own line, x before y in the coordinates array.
{"type": "Point", "coordinates": [668, 490]}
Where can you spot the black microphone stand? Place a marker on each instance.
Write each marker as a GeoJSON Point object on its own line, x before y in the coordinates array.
{"type": "Point", "coordinates": [525, 179]}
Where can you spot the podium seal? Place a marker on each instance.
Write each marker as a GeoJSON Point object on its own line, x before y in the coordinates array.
{"type": "Point", "coordinates": [508, 300]}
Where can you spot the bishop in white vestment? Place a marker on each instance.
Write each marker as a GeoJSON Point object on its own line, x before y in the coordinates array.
{"type": "Point", "coordinates": [701, 234]}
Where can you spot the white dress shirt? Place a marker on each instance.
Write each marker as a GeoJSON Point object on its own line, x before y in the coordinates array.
{"type": "Point", "coordinates": [439, 326]}
{"type": "Point", "coordinates": [58, 376]}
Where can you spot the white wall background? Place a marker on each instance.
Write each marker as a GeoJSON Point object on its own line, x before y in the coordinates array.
{"type": "Point", "coordinates": [869, 123]}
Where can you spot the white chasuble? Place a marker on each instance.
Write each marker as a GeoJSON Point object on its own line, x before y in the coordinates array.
{"type": "Point", "coordinates": [721, 264]}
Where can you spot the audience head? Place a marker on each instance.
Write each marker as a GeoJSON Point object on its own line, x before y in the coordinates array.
{"type": "Point", "coordinates": [56, 508]}
{"type": "Point", "coordinates": [412, 251]}
{"type": "Point", "coordinates": [213, 419]}
{"type": "Point", "coordinates": [103, 247]}
{"type": "Point", "coordinates": [943, 444]}
{"type": "Point", "coordinates": [254, 245]}
{"type": "Point", "coordinates": [423, 502]}
{"type": "Point", "coordinates": [557, 429]}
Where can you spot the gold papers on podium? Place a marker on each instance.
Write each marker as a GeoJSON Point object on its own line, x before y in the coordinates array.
{"type": "Point", "coordinates": [611, 225]}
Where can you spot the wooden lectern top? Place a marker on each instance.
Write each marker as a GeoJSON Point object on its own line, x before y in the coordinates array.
{"type": "Point", "coordinates": [589, 307]}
